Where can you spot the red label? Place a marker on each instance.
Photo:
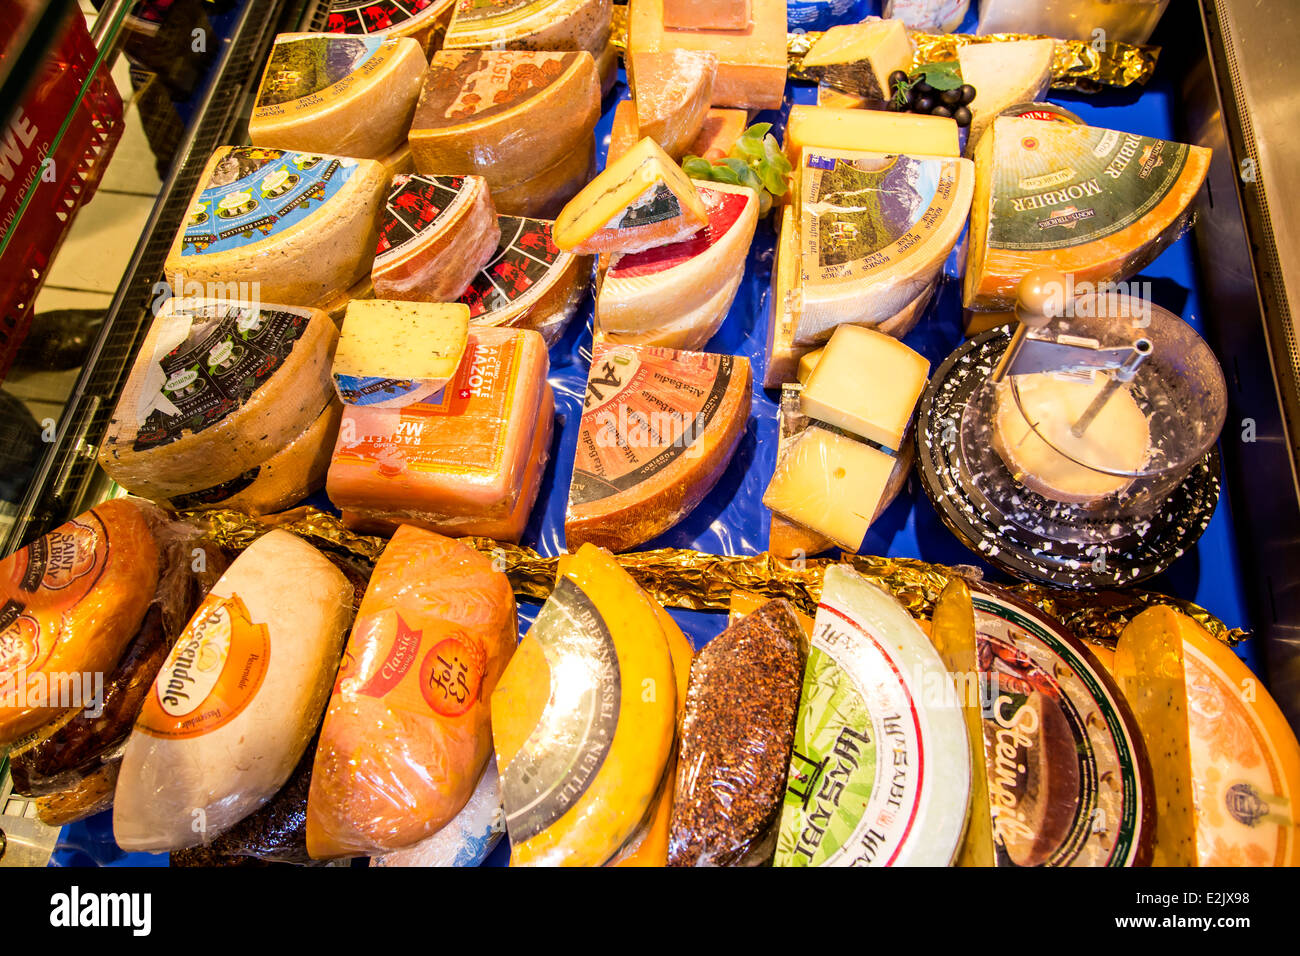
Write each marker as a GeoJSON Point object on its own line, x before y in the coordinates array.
{"type": "Point", "coordinates": [723, 210]}
{"type": "Point", "coordinates": [451, 675]}
{"type": "Point", "coordinates": [401, 655]}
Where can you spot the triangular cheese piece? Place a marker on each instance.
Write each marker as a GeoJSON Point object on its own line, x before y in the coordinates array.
{"type": "Point", "coordinates": [647, 291]}
{"type": "Point", "coordinates": [352, 96]}
{"type": "Point", "coordinates": [658, 429]}
{"type": "Point", "coordinates": [392, 353]}
{"type": "Point", "coordinates": [858, 57]}
{"type": "Point", "coordinates": [672, 90]}
{"type": "Point", "coordinates": [1096, 203]}
{"type": "Point", "coordinates": [436, 233]}
{"type": "Point", "coordinates": [874, 231]}
{"type": "Point", "coordinates": [1003, 75]}
{"type": "Point", "coordinates": [641, 200]}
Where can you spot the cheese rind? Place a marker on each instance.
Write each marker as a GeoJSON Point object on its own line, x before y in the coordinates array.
{"type": "Point", "coordinates": [214, 387]}
{"type": "Point", "coordinates": [707, 14]}
{"type": "Point", "coordinates": [436, 233]}
{"type": "Point", "coordinates": [867, 383]}
{"type": "Point", "coordinates": [392, 354]}
{"type": "Point", "coordinates": [544, 195]}
{"type": "Point", "coordinates": [641, 200]}
{"type": "Point", "coordinates": [1003, 75]}
{"type": "Point", "coordinates": [530, 25]}
{"type": "Point", "coordinates": [480, 113]}
{"type": "Point", "coordinates": [672, 91]}
{"type": "Point", "coordinates": [666, 293]}
{"type": "Point", "coordinates": [583, 718]}
{"type": "Point", "coordinates": [236, 702]}
{"type": "Point", "coordinates": [874, 232]}
{"type": "Point", "coordinates": [658, 429]}
{"type": "Point", "coordinates": [859, 57]}
{"type": "Point", "coordinates": [278, 226]}
{"type": "Point", "coordinates": [1095, 203]}
{"type": "Point", "coordinates": [350, 96]}
{"type": "Point", "coordinates": [719, 132]}
{"type": "Point", "coordinates": [870, 131]}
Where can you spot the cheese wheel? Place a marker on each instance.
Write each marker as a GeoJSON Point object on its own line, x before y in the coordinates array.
{"type": "Point", "coordinates": [407, 734]}
{"type": "Point", "coordinates": [237, 700]}
{"type": "Point", "coordinates": [277, 226]}
{"type": "Point", "coordinates": [351, 96]}
{"type": "Point", "coordinates": [284, 479]}
{"type": "Point", "coordinates": [691, 331]}
{"type": "Point", "coordinates": [214, 388]}
{"type": "Point", "coordinates": [70, 603]}
{"type": "Point", "coordinates": [531, 25]}
{"type": "Point", "coordinates": [481, 112]}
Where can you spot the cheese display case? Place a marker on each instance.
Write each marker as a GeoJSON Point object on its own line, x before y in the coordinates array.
{"type": "Point", "coordinates": [516, 424]}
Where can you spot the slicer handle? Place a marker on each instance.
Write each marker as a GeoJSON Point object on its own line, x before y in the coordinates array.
{"type": "Point", "coordinates": [1040, 298]}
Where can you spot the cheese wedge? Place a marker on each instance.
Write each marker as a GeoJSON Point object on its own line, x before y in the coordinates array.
{"type": "Point", "coordinates": [786, 539]}
{"type": "Point", "coordinates": [751, 60]}
{"type": "Point", "coordinates": [436, 233]}
{"type": "Point", "coordinates": [874, 231]}
{"type": "Point", "coordinates": [672, 90]}
{"type": "Point", "coordinates": [623, 133]}
{"type": "Point", "coordinates": [393, 354]}
{"type": "Point", "coordinates": [583, 718]}
{"type": "Point", "coordinates": [283, 480]}
{"type": "Point", "coordinates": [690, 332]}
{"type": "Point", "coordinates": [238, 699]}
{"type": "Point", "coordinates": [940, 16]}
{"type": "Point", "coordinates": [277, 226]}
{"type": "Point", "coordinates": [867, 383]}
{"type": "Point", "coordinates": [875, 694]}
{"type": "Point", "coordinates": [658, 429]}
{"type": "Point", "coordinates": [351, 96]}
{"type": "Point", "coordinates": [1048, 458]}
{"type": "Point", "coordinates": [1096, 203]}
{"type": "Point", "coordinates": [408, 731]}
{"type": "Point", "coordinates": [721, 129]}
{"type": "Point", "coordinates": [480, 112]}
{"type": "Point", "coordinates": [1003, 75]}
{"type": "Point", "coordinates": [424, 23]}
{"type": "Point", "coordinates": [641, 200]}
{"type": "Point", "coordinates": [544, 195]}
{"type": "Point", "coordinates": [216, 387]}
{"type": "Point", "coordinates": [859, 57]}
{"type": "Point", "coordinates": [530, 25]}
{"type": "Point", "coordinates": [868, 131]}
{"type": "Point", "coordinates": [464, 455]}
{"type": "Point", "coordinates": [644, 292]}
{"type": "Point", "coordinates": [528, 283]}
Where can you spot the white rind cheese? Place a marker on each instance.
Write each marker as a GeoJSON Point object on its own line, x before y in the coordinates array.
{"type": "Point", "coordinates": [1003, 75]}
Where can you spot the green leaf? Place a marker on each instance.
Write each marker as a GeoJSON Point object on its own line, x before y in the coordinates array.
{"type": "Point", "coordinates": [758, 130]}
{"type": "Point", "coordinates": [748, 148]}
{"type": "Point", "coordinates": [944, 75]}
{"type": "Point", "coordinates": [697, 167]}
{"type": "Point", "coordinates": [775, 158]}
{"type": "Point", "coordinates": [726, 174]}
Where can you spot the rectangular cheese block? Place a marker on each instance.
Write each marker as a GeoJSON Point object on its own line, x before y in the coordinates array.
{"type": "Point", "coordinates": [831, 484]}
{"type": "Point", "coordinates": [868, 131]}
{"type": "Point", "coordinates": [641, 200]}
{"type": "Point", "coordinates": [751, 62]}
{"type": "Point", "coordinates": [464, 454]}
{"type": "Point", "coordinates": [510, 528]}
{"type": "Point", "coordinates": [707, 14]}
{"type": "Point", "coordinates": [867, 383]}
{"type": "Point", "coordinates": [392, 354]}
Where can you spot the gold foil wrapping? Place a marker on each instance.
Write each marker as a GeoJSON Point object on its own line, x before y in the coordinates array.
{"type": "Point", "coordinates": [1078, 65]}
{"type": "Point", "coordinates": [704, 582]}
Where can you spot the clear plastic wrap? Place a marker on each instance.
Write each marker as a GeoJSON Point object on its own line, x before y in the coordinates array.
{"type": "Point", "coordinates": [407, 732]}
{"type": "Point", "coordinates": [1125, 21]}
{"type": "Point", "coordinates": [238, 698]}
{"type": "Point", "coordinates": [72, 602]}
{"type": "Point", "coordinates": [931, 16]}
{"type": "Point", "coordinates": [467, 839]}
{"type": "Point", "coordinates": [736, 738]}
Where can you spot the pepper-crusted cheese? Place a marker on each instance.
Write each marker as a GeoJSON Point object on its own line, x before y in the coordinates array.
{"type": "Point", "coordinates": [392, 354]}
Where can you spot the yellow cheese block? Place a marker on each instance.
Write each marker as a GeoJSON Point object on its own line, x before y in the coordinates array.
{"type": "Point", "coordinates": [1148, 667]}
{"type": "Point", "coordinates": [641, 200]}
{"type": "Point", "coordinates": [867, 383]}
{"type": "Point", "coordinates": [868, 131]}
{"type": "Point", "coordinates": [392, 354]}
{"type": "Point", "coordinates": [583, 718]}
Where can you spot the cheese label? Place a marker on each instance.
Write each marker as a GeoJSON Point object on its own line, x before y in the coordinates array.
{"type": "Point", "coordinates": [470, 84]}
{"type": "Point", "coordinates": [415, 205]}
{"type": "Point", "coordinates": [1059, 185]}
{"type": "Point", "coordinates": [371, 390]}
{"type": "Point", "coordinates": [377, 16]}
{"type": "Point", "coordinates": [211, 675]}
{"type": "Point", "coordinates": [724, 210]}
{"type": "Point", "coordinates": [501, 12]}
{"type": "Point", "coordinates": [565, 751]}
{"type": "Point", "coordinates": [656, 204]}
{"type": "Point", "coordinates": [524, 258]}
{"type": "Point", "coordinates": [863, 216]}
{"type": "Point", "coordinates": [305, 72]}
{"type": "Point", "coordinates": [644, 409]}
{"type": "Point", "coordinates": [54, 573]}
{"type": "Point", "coordinates": [469, 414]}
{"type": "Point", "coordinates": [255, 193]}
{"type": "Point", "coordinates": [209, 362]}
{"type": "Point", "coordinates": [1067, 777]}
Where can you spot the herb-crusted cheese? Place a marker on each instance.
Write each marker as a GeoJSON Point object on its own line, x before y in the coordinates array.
{"type": "Point", "coordinates": [392, 354]}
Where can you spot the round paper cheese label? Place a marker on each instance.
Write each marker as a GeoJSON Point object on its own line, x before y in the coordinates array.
{"type": "Point", "coordinates": [469, 84]}
{"type": "Point", "coordinates": [723, 210]}
{"type": "Point", "coordinates": [415, 206]}
{"type": "Point", "coordinates": [381, 16]}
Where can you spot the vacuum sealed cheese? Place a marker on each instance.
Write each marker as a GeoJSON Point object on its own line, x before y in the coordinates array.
{"type": "Point", "coordinates": [237, 699]}
{"type": "Point", "coordinates": [407, 733]}
{"type": "Point", "coordinates": [70, 602]}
